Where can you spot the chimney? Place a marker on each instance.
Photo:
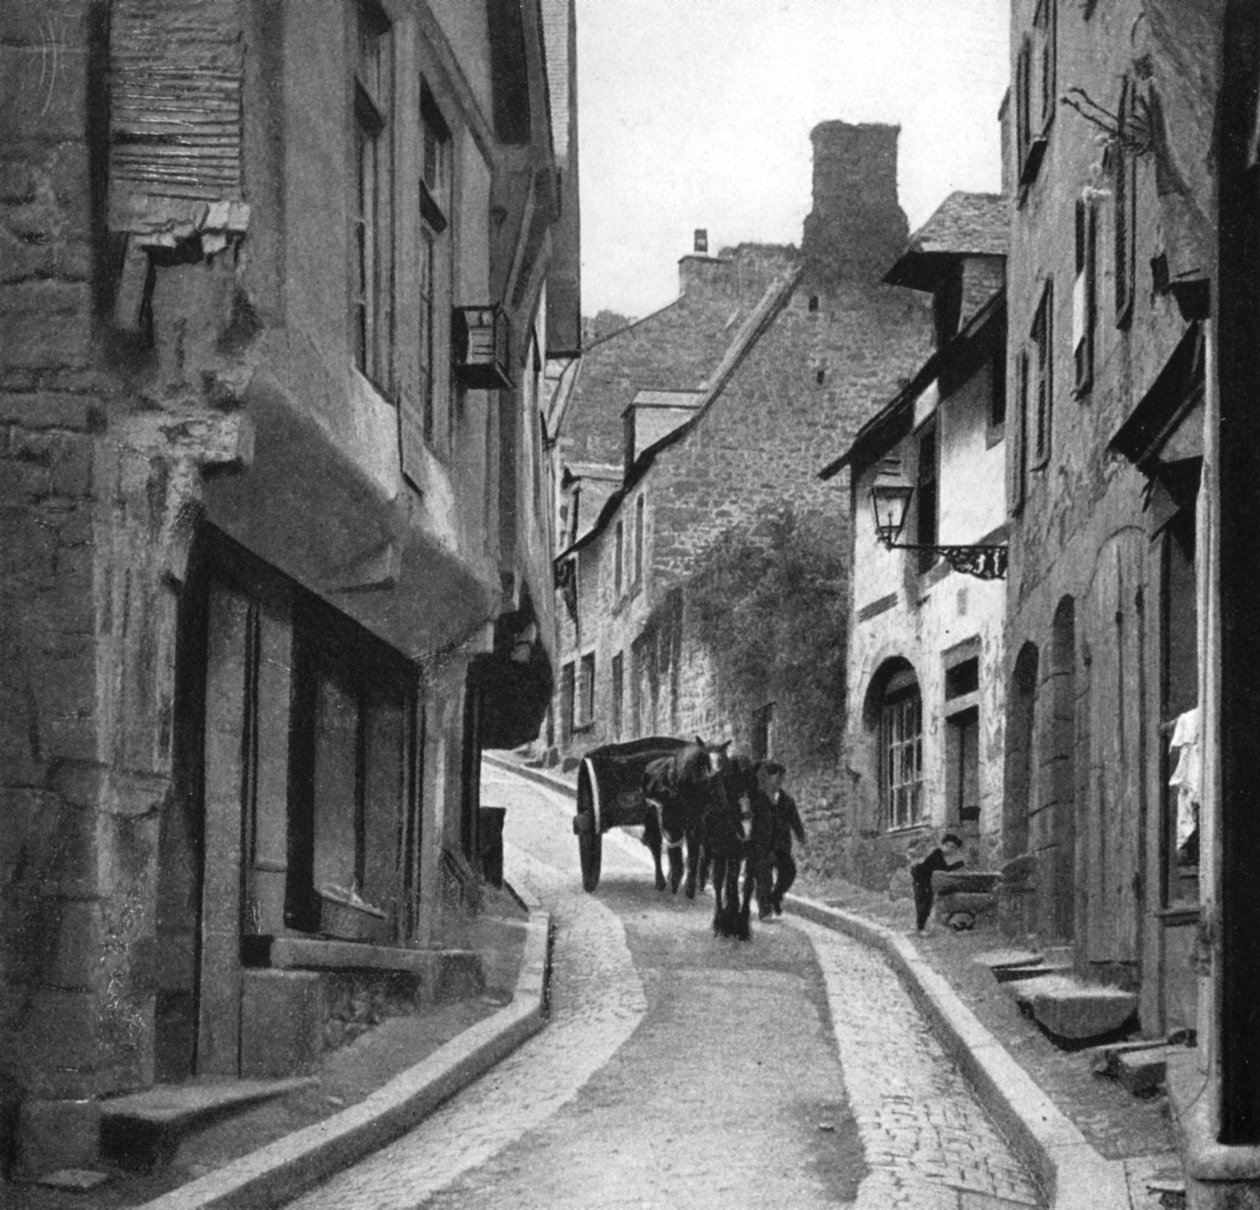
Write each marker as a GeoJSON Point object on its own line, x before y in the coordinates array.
{"type": "Point", "coordinates": [701, 243]}
{"type": "Point", "coordinates": [856, 228]}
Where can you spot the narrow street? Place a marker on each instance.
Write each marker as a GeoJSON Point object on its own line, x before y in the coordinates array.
{"type": "Point", "coordinates": [678, 1069]}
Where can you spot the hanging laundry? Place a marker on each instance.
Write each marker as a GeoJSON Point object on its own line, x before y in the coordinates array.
{"type": "Point", "coordinates": [1187, 776]}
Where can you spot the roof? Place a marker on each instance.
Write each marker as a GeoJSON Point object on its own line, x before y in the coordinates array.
{"type": "Point", "coordinates": [964, 224]}
{"type": "Point", "coordinates": [667, 399]}
{"type": "Point", "coordinates": [888, 424]}
{"type": "Point", "coordinates": [762, 316]}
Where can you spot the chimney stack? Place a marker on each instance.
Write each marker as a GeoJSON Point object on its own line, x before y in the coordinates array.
{"type": "Point", "coordinates": [856, 228]}
{"type": "Point", "coordinates": [701, 242]}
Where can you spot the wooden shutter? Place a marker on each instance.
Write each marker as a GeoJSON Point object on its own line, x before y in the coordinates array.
{"type": "Point", "coordinates": [176, 69]}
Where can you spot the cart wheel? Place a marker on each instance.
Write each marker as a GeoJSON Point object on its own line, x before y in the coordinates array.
{"type": "Point", "coordinates": [587, 826]}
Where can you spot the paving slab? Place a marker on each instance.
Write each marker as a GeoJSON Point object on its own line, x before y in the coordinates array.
{"type": "Point", "coordinates": [997, 959]}
{"type": "Point", "coordinates": [178, 1105]}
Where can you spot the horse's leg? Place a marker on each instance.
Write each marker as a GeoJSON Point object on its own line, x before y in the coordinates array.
{"type": "Point", "coordinates": [717, 896]}
{"type": "Point", "coordinates": [693, 860]}
{"type": "Point", "coordinates": [750, 882]}
{"type": "Point", "coordinates": [675, 867]}
{"type": "Point", "coordinates": [652, 838]}
{"type": "Point", "coordinates": [740, 912]}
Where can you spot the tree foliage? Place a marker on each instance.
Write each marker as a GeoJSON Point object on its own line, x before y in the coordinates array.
{"type": "Point", "coordinates": [768, 603]}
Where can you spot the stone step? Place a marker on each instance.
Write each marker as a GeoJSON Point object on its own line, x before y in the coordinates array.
{"type": "Point", "coordinates": [1104, 1060]}
{"type": "Point", "coordinates": [1142, 1071]}
{"type": "Point", "coordinates": [142, 1130]}
{"type": "Point", "coordinates": [1072, 1012]}
{"type": "Point", "coordinates": [1035, 970]}
{"type": "Point", "coordinates": [995, 960]}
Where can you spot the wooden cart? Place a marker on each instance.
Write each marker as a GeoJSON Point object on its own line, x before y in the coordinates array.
{"type": "Point", "coordinates": [610, 795]}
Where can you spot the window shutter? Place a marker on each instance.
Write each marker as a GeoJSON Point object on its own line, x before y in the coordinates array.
{"type": "Point", "coordinates": [1123, 190]}
{"type": "Point", "coordinates": [176, 70]}
{"type": "Point", "coordinates": [1021, 452]}
{"type": "Point", "coordinates": [1084, 290]}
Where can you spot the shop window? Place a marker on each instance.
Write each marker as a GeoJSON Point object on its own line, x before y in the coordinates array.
{"type": "Point", "coordinates": [353, 767]}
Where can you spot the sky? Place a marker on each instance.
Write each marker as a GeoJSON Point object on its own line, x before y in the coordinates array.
{"type": "Point", "coordinates": [697, 113]}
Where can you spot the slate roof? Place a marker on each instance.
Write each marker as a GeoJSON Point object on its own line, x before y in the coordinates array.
{"type": "Point", "coordinates": [964, 224]}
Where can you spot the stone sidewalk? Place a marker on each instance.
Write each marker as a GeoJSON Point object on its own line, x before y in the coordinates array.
{"type": "Point", "coordinates": [1094, 1145]}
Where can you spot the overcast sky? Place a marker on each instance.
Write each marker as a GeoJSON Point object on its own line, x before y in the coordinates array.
{"type": "Point", "coordinates": [697, 113]}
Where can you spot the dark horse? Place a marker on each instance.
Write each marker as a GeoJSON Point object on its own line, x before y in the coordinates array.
{"type": "Point", "coordinates": [679, 791]}
{"type": "Point", "coordinates": [736, 835]}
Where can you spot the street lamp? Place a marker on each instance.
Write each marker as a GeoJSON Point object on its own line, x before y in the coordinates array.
{"type": "Point", "coordinates": [890, 501]}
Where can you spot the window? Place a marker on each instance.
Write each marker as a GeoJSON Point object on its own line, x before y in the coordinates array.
{"type": "Point", "coordinates": [638, 541]}
{"type": "Point", "coordinates": [997, 385]}
{"type": "Point", "coordinates": [1041, 371]}
{"type": "Point", "coordinates": [927, 496]}
{"type": "Point", "coordinates": [433, 270]}
{"type": "Point", "coordinates": [1124, 190]}
{"type": "Point", "coordinates": [763, 732]}
{"type": "Point", "coordinates": [1036, 86]}
{"type": "Point", "coordinates": [619, 543]}
{"type": "Point", "coordinates": [962, 679]}
{"type": "Point", "coordinates": [373, 225]}
{"type": "Point", "coordinates": [901, 750]}
{"type": "Point", "coordinates": [567, 697]}
{"type": "Point", "coordinates": [1085, 294]}
{"type": "Point", "coordinates": [618, 686]}
{"type": "Point", "coordinates": [1021, 448]}
{"type": "Point", "coordinates": [1045, 26]}
{"type": "Point", "coordinates": [353, 766]}
{"type": "Point", "coordinates": [586, 691]}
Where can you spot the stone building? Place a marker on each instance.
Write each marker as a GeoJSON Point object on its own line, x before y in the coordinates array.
{"type": "Point", "coordinates": [711, 416]}
{"type": "Point", "coordinates": [277, 548]}
{"type": "Point", "coordinates": [926, 691]}
{"type": "Point", "coordinates": [1106, 379]}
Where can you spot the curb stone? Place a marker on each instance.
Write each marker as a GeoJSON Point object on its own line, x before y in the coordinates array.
{"type": "Point", "coordinates": [282, 1170]}
{"type": "Point", "coordinates": [1073, 1174]}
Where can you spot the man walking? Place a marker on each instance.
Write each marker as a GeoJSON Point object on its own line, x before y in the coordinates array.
{"type": "Point", "coordinates": [778, 870]}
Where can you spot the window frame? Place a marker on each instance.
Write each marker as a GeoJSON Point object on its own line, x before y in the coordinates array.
{"type": "Point", "coordinates": [435, 268]}
{"type": "Point", "coordinates": [1041, 374]}
{"type": "Point", "coordinates": [1022, 395]}
{"type": "Point", "coordinates": [901, 797]}
{"type": "Point", "coordinates": [585, 692]}
{"type": "Point", "coordinates": [927, 493]}
{"type": "Point", "coordinates": [619, 543]}
{"type": "Point", "coordinates": [374, 294]}
{"type": "Point", "coordinates": [617, 673]}
{"type": "Point", "coordinates": [639, 530]}
{"type": "Point", "coordinates": [1124, 210]}
{"type": "Point", "coordinates": [1085, 296]}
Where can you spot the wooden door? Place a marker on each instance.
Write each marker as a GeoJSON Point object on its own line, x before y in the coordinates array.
{"type": "Point", "coordinates": [1112, 850]}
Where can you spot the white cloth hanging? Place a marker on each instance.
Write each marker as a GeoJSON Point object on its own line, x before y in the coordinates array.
{"type": "Point", "coordinates": [1187, 774]}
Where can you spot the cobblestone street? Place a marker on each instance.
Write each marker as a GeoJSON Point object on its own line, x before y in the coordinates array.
{"type": "Point", "coordinates": [679, 1069]}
